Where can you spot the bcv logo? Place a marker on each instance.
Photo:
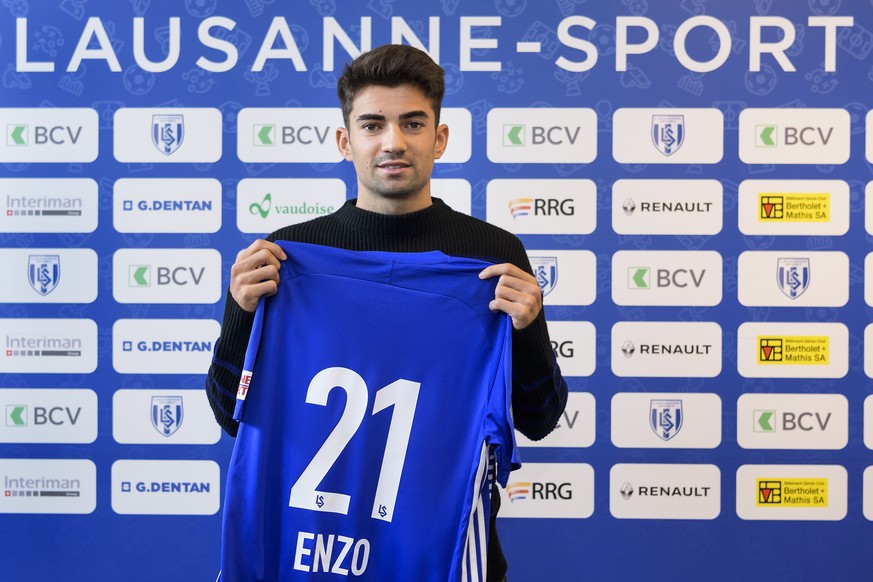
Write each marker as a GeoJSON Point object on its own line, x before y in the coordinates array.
{"type": "Point", "coordinates": [166, 276]}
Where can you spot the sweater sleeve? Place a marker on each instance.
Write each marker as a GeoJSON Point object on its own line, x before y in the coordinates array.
{"type": "Point", "coordinates": [227, 360]}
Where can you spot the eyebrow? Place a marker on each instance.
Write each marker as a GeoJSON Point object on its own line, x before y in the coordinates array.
{"type": "Point", "coordinates": [403, 116]}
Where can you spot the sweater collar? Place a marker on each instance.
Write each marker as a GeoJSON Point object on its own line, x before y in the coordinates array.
{"type": "Point", "coordinates": [351, 216]}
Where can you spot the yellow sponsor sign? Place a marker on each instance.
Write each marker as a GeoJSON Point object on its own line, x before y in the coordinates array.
{"type": "Point", "coordinates": [788, 492]}
{"type": "Point", "coordinates": [794, 207]}
{"type": "Point", "coordinates": [804, 350]}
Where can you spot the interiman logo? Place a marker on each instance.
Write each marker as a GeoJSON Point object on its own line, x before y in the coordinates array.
{"type": "Point", "coordinates": [49, 134]}
{"type": "Point", "coordinates": [807, 350]}
{"type": "Point", "coordinates": [48, 486]}
{"type": "Point", "coordinates": [54, 205]}
{"type": "Point", "coordinates": [549, 490]}
{"type": "Point", "coordinates": [794, 136]}
{"type": "Point", "coordinates": [542, 135]}
{"type": "Point", "coordinates": [792, 492]}
{"type": "Point", "coordinates": [67, 346]}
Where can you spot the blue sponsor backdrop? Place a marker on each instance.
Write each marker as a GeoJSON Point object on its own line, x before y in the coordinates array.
{"type": "Point", "coordinates": [108, 546]}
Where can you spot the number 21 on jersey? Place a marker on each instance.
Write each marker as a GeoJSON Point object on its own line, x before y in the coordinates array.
{"type": "Point", "coordinates": [402, 395]}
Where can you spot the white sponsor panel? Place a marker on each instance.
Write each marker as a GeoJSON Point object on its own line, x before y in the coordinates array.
{"type": "Point", "coordinates": [551, 135]}
{"type": "Point", "coordinates": [575, 346]}
{"type": "Point", "coordinates": [48, 275]}
{"type": "Point", "coordinates": [565, 277]}
{"type": "Point", "coordinates": [48, 415]}
{"type": "Point", "coordinates": [288, 134]}
{"type": "Point", "coordinates": [868, 490]}
{"type": "Point", "coordinates": [167, 205]}
{"type": "Point", "coordinates": [792, 421]}
{"type": "Point", "coordinates": [664, 491]}
{"type": "Point", "coordinates": [542, 206]}
{"type": "Point", "coordinates": [666, 349]}
{"type": "Point", "coordinates": [868, 142]}
{"type": "Point", "coordinates": [455, 192]}
{"type": "Point", "coordinates": [868, 279]}
{"type": "Point", "coordinates": [460, 146]}
{"type": "Point", "coordinates": [266, 205]}
{"type": "Point", "coordinates": [868, 422]}
{"type": "Point", "coordinates": [165, 487]}
{"type": "Point", "coordinates": [163, 346]}
{"type": "Point", "coordinates": [667, 278]}
{"type": "Point", "coordinates": [53, 486]}
{"type": "Point", "coordinates": [53, 205]}
{"type": "Point", "coordinates": [576, 427]}
{"type": "Point", "coordinates": [793, 207]}
{"type": "Point", "coordinates": [549, 490]}
{"type": "Point", "coordinates": [666, 420]}
{"type": "Point", "coordinates": [163, 417]}
{"type": "Point", "coordinates": [793, 278]}
{"type": "Point", "coordinates": [667, 207]}
{"type": "Point", "coordinates": [48, 346]}
{"type": "Point", "coordinates": [792, 350]}
{"type": "Point", "coordinates": [668, 136]}
{"type": "Point", "coordinates": [792, 492]}
{"type": "Point", "coordinates": [167, 135]}
{"type": "Point", "coordinates": [795, 136]}
{"type": "Point", "coordinates": [166, 275]}
{"type": "Point", "coordinates": [49, 134]}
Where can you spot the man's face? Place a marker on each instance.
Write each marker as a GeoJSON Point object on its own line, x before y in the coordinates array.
{"type": "Point", "coordinates": [393, 140]}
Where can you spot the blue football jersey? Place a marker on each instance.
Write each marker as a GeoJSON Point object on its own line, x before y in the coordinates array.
{"type": "Point", "coordinates": [376, 389]}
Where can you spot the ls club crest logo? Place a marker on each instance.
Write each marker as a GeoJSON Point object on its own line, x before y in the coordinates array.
{"type": "Point", "coordinates": [168, 131]}
{"type": "Point", "coordinates": [668, 133]}
{"type": "Point", "coordinates": [44, 273]}
{"type": "Point", "coordinates": [665, 418]}
{"type": "Point", "coordinates": [167, 414]}
{"type": "Point", "coordinates": [546, 272]}
{"type": "Point", "coordinates": [792, 276]}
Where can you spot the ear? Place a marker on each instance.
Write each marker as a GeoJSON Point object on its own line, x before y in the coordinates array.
{"type": "Point", "coordinates": [343, 144]}
{"type": "Point", "coordinates": [441, 141]}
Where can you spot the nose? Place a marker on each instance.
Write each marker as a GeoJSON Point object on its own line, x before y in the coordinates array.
{"type": "Point", "coordinates": [393, 139]}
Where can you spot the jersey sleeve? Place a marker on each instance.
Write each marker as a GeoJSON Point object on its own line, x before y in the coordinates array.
{"type": "Point", "coordinates": [245, 379]}
{"type": "Point", "coordinates": [499, 426]}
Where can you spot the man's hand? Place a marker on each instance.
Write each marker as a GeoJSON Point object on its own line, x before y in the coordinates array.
{"type": "Point", "coordinates": [517, 294]}
{"type": "Point", "coordinates": [255, 273]}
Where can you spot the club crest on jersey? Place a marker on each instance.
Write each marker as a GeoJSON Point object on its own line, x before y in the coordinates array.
{"type": "Point", "coordinates": [546, 272]}
{"type": "Point", "coordinates": [792, 276]}
{"type": "Point", "coordinates": [168, 131]}
{"type": "Point", "coordinates": [44, 272]}
{"type": "Point", "coordinates": [167, 414]}
{"type": "Point", "coordinates": [668, 133]}
{"type": "Point", "coordinates": [665, 418]}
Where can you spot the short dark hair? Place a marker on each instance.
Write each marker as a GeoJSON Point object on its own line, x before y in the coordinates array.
{"type": "Point", "coordinates": [392, 65]}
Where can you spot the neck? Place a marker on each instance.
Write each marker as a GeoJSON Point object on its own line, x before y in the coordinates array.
{"type": "Point", "coordinates": [393, 205]}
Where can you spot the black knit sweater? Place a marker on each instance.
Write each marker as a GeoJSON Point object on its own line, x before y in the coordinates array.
{"type": "Point", "coordinates": [539, 392]}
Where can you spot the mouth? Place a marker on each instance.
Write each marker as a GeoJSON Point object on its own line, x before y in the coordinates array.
{"type": "Point", "coordinates": [393, 166]}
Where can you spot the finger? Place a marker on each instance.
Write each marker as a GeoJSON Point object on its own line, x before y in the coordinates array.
{"type": "Point", "coordinates": [262, 245]}
{"type": "Point", "coordinates": [521, 316]}
{"type": "Point", "coordinates": [501, 269]}
{"type": "Point", "coordinates": [526, 284]}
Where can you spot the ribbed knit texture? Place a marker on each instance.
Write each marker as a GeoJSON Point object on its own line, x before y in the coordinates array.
{"type": "Point", "coordinates": [539, 393]}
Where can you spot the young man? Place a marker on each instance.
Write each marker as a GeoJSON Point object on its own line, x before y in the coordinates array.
{"type": "Point", "coordinates": [391, 98]}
